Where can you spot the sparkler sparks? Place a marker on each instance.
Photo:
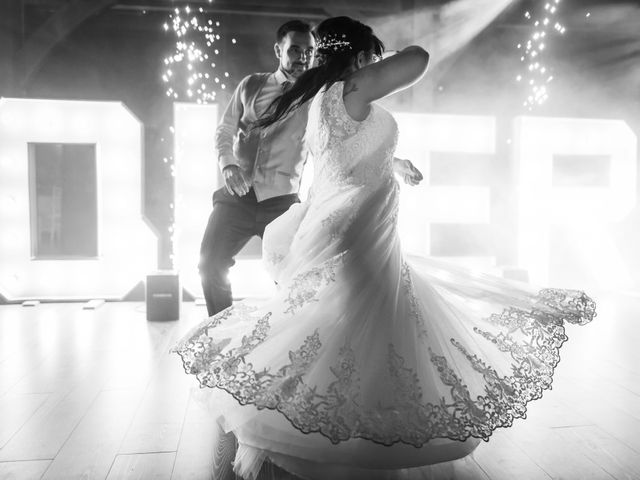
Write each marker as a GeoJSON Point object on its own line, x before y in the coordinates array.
{"type": "Point", "coordinates": [189, 70]}
{"type": "Point", "coordinates": [190, 74]}
{"type": "Point", "coordinates": [536, 75]}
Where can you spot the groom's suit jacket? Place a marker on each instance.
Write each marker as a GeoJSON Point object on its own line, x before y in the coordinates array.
{"type": "Point", "coordinates": [272, 157]}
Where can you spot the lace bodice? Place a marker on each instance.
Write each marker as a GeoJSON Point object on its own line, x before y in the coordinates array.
{"type": "Point", "coordinates": [347, 151]}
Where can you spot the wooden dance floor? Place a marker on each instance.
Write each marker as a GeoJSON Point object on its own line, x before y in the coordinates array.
{"type": "Point", "coordinates": [94, 394]}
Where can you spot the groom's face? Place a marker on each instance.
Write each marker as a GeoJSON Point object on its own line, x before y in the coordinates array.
{"type": "Point", "coordinates": [295, 52]}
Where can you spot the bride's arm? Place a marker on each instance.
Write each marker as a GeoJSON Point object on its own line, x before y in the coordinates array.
{"type": "Point", "coordinates": [387, 76]}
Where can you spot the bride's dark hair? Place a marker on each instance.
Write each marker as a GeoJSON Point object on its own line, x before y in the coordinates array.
{"type": "Point", "coordinates": [340, 39]}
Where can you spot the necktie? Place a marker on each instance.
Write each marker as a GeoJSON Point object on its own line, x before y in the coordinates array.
{"type": "Point", "coordinates": [286, 85]}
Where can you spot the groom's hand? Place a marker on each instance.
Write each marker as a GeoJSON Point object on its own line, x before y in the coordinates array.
{"type": "Point", "coordinates": [235, 180]}
{"type": "Point", "coordinates": [411, 175]}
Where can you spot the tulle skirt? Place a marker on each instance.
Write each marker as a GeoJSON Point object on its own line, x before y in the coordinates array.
{"type": "Point", "coordinates": [368, 361]}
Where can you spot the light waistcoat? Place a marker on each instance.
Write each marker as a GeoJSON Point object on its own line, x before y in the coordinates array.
{"type": "Point", "coordinates": [272, 157]}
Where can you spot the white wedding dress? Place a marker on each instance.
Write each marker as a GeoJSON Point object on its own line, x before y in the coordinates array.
{"type": "Point", "coordinates": [367, 361]}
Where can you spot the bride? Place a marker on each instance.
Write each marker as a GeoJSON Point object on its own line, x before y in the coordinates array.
{"type": "Point", "coordinates": [366, 360]}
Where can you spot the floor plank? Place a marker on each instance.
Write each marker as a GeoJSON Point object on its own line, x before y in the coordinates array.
{"type": "Point", "coordinates": [44, 434]}
{"type": "Point", "coordinates": [26, 470]}
{"type": "Point", "coordinates": [158, 420]}
{"type": "Point", "coordinates": [147, 466]}
{"type": "Point", "coordinates": [92, 447]}
{"type": "Point", "coordinates": [555, 457]}
{"type": "Point", "coordinates": [502, 459]}
{"type": "Point", "coordinates": [28, 337]}
{"type": "Point", "coordinates": [613, 456]}
{"type": "Point", "coordinates": [15, 410]}
{"type": "Point", "coordinates": [198, 440]}
{"type": "Point", "coordinates": [607, 416]}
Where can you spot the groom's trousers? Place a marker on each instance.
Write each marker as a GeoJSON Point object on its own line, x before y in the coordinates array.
{"type": "Point", "coordinates": [233, 222]}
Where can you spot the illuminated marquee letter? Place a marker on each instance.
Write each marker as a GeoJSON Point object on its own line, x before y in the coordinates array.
{"type": "Point", "coordinates": [420, 136]}
{"type": "Point", "coordinates": [196, 178]}
{"type": "Point", "coordinates": [584, 209]}
{"type": "Point", "coordinates": [127, 248]}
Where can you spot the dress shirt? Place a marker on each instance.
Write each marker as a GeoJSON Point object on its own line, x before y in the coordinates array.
{"type": "Point", "coordinates": [272, 157]}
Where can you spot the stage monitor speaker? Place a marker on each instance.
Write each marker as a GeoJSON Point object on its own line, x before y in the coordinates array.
{"type": "Point", "coordinates": [163, 296]}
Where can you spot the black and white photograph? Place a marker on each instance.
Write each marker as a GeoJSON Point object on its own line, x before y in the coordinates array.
{"type": "Point", "coordinates": [304, 240]}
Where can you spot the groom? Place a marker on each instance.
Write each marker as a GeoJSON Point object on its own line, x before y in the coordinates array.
{"type": "Point", "coordinates": [261, 168]}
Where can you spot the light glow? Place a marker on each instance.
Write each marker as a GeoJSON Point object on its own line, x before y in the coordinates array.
{"type": "Point", "coordinates": [540, 204]}
{"type": "Point", "coordinates": [420, 136]}
{"type": "Point", "coordinates": [127, 248]}
{"type": "Point", "coordinates": [196, 178]}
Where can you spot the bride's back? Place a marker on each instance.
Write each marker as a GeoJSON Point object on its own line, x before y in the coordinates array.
{"type": "Point", "coordinates": [346, 151]}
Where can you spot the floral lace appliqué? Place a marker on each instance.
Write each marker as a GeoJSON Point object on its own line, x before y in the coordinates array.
{"type": "Point", "coordinates": [340, 413]}
{"type": "Point", "coordinates": [305, 287]}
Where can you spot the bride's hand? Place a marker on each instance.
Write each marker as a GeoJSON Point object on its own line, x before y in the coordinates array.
{"type": "Point", "coordinates": [411, 175]}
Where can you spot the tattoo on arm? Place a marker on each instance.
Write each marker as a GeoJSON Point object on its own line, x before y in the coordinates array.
{"type": "Point", "coordinates": [349, 87]}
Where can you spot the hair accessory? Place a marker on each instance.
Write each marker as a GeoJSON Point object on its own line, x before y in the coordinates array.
{"type": "Point", "coordinates": [334, 43]}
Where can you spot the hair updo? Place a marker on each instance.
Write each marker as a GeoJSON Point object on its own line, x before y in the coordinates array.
{"type": "Point", "coordinates": [346, 37]}
{"type": "Point", "coordinates": [340, 39]}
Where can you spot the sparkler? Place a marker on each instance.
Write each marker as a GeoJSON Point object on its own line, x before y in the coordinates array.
{"type": "Point", "coordinates": [536, 75]}
{"type": "Point", "coordinates": [190, 71]}
{"type": "Point", "coordinates": [191, 74]}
